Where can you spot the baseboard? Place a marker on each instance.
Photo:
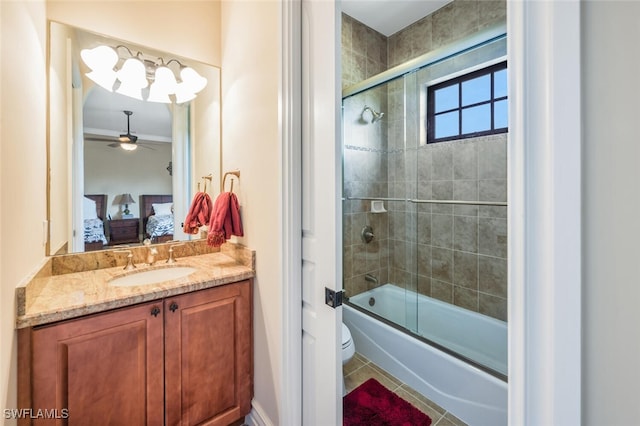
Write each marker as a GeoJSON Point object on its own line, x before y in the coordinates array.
{"type": "Point", "coordinates": [257, 417]}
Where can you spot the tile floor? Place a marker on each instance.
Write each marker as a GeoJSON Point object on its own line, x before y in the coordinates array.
{"type": "Point", "coordinates": [360, 369]}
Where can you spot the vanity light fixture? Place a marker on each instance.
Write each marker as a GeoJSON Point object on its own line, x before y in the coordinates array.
{"type": "Point", "coordinates": [142, 78]}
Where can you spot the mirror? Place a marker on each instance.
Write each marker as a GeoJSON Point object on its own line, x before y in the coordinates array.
{"type": "Point", "coordinates": [177, 144]}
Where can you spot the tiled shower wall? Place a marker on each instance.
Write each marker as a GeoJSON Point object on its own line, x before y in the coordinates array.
{"type": "Point", "coordinates": [453, 253]}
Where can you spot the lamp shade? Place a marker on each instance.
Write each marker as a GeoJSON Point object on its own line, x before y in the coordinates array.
{"type": "Point", "coordinates": [126, 199]}
{"type": "Point", "coordinates": [132, 78]}
{"type": "Point", "coordinates": [128, 146]}
{"type": "Point", "coordinates": [101, 60]}
{"type": "Point", "coordinates": [139, 72]}
{"type": "Point", "coordinates": [192, 80]}
{"type": "Point", "coordinates": [183, 94]}
{"type": "Point", "coordinates": [164, 85]}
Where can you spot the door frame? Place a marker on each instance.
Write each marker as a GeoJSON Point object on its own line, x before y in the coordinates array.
{"type": "Point", "coordinates": [544, 165]}
{"type": "Point", "coordinates": [290, 112]}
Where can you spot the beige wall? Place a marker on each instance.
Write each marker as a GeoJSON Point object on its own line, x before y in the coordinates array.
{"type": "Point", "coordinates": [250, 78]}
{"type": "Point", "coordinates": [611, 202]}
{"type": "Point", "coordinates": [250, 95]}
{"type": "Point", "coordinates": [187, 28]}
{"type": "Point", "coordinates": [114, 171]}
{"type": "Point", "coordinates": [23, 95]}
{"type": "Point", "coordinates": [22, 166]}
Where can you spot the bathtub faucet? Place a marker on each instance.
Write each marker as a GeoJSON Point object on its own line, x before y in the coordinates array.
{"type": "Point", "coordinates": [370, 278]}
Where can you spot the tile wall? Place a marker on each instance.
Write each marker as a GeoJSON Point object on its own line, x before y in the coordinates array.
{"type": "Point", "coordinates": [453, 253]}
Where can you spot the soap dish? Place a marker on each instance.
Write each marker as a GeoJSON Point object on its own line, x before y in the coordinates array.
{"type": "Point", "coordinates": [377, 207]}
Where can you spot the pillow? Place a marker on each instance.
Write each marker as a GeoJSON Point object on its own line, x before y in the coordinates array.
{"type": "Point", "coordinates": [89, 209]}
{"type": "Point", "coordinates": [162, 209]}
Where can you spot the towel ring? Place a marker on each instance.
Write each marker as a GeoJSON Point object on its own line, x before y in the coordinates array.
{"type": "Point", "coordinates": [206, 178]}
{"type": "Point", "coordinates": [236, 173]}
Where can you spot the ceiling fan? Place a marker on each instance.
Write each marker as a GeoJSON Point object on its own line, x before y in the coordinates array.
{"type": "Point", "coordinates": [128, 137]}
{"type": "Point", "coordinates": [126, 141]}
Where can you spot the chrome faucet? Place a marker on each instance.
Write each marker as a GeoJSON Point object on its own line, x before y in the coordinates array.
{"type": "Point", "coordinates": [129, 266]}
{"type": "Point", "coordinates": [171, 258]}
{"type": "Point", "coordinates": [371, 278]}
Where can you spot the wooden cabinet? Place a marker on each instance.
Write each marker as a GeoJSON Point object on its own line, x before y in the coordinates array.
{"type": "Point", "coordinates": [184, 360]}
{"type": "Point", "coordinates": [102, 368]}
{"type": "Point", "coordinates": [123, 231]}
{"type": "Point", "coordinates": [208, 356]}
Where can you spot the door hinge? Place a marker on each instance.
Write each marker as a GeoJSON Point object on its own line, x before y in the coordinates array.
{"type": "Point", "coordinates": [333, 298]}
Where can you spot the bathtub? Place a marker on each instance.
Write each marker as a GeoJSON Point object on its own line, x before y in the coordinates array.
{"type": "Point", "coordinates": [473, 395]}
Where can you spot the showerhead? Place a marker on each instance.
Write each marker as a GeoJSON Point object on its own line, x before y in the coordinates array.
{"type": "Point", "coordinates": [375, 116]}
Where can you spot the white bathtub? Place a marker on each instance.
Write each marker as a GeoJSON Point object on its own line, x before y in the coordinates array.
{"type": "Point", "coordinates": [476, 397]}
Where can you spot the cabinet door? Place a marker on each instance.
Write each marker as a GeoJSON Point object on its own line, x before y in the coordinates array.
{"type": "Point", "coordinates": [106, 369]}
{"type": "Point", "coordinates": [208, 356]}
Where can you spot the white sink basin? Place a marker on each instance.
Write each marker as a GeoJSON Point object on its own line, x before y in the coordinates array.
{"type": "Point", "coordinates": [152, 276]}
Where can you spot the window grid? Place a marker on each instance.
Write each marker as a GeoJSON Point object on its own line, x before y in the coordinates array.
{"type": "Point", "coordinates": [431, 105]}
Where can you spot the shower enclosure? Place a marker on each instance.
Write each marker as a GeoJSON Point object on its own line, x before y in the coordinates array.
{"type": "Point", "coordinates": [425, 213]}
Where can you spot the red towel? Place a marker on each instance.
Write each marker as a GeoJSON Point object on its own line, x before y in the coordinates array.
{"type": "Point", "coordinates": [225, 219]}
{"type": "Point", "coordinates": [199, 213]}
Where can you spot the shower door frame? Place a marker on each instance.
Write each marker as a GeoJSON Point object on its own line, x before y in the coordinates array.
{"type": "Point", "coordinates": [544, 36]}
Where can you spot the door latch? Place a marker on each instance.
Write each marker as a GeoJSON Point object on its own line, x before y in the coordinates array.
{"type": "Point", "coordinates": [333, 298]}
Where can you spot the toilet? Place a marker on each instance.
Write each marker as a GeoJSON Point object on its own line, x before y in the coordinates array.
{"type": "Point", "coordinates": [348, 350]}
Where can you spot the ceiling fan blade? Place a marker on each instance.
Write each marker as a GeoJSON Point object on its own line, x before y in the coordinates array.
{"type": "Point", "coordinates": [138, 144]}
{"type": "Point", "coordinates": [98, 138]}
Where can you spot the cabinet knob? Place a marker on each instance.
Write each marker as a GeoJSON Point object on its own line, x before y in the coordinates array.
{"type": "Point", "coordinates": [173, 306]}
{"type": "Point", "coordinates": [155, 311]}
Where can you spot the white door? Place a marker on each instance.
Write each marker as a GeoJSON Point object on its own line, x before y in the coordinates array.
{"type": "Point", "coordinates": [321, 244]}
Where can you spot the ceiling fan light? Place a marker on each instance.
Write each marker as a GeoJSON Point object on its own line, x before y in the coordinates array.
{"type": "Point", "coordinates": [128, 146]}
{"type": "Point", "coordinates": [191, 79]}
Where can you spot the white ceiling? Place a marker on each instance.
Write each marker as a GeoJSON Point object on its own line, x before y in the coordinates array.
{"type": "Point", "coordinates": [390, 16]}
{"type": "Point", "coordinates": [103, 116]}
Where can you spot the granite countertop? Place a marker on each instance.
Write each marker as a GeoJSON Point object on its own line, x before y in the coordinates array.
{"type": "Point", "coordinates": [46, 299]}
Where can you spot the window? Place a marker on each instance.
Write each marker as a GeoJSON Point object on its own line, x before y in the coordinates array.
{"type": "Point", "coordinates": [474, 104]}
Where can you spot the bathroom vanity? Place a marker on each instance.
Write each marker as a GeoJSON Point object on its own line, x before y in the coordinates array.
{"type": "Point", "coordinates": [177, 351]}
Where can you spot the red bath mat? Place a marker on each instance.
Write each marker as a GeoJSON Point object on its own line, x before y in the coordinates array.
{"type": "Point", "coordinates": [372, 404]}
